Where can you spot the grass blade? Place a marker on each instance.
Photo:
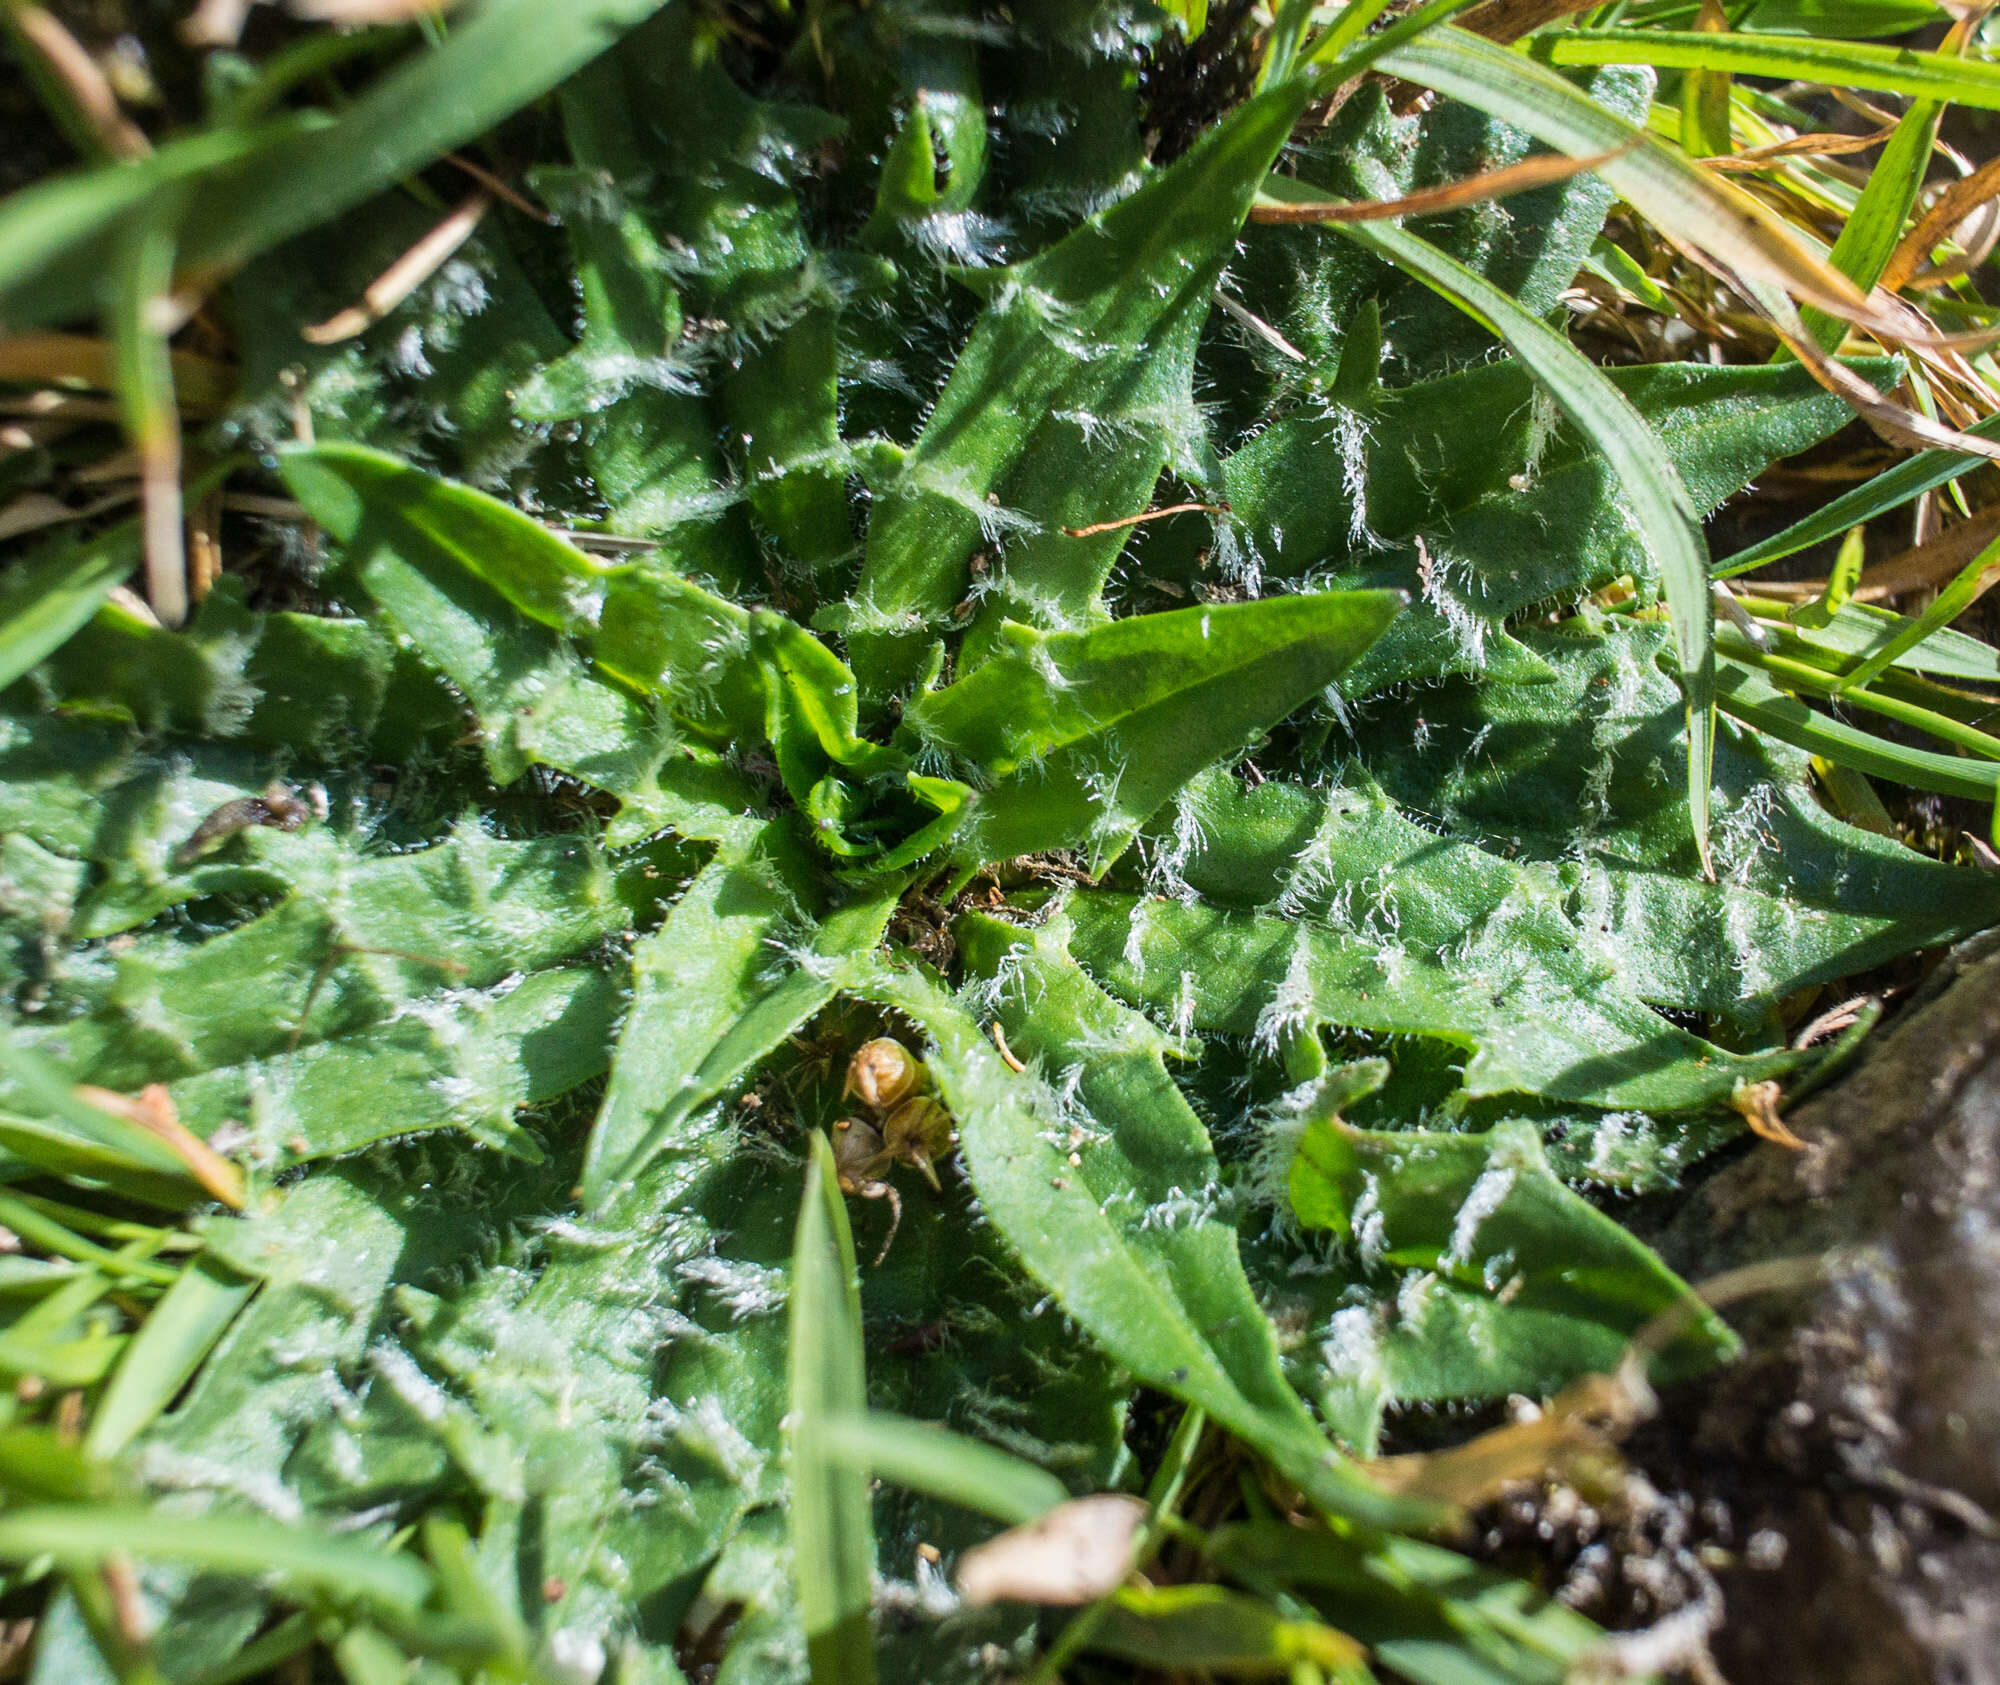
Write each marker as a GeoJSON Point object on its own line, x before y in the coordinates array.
{"type": "Point", "coordinates": [1848, 64]}
{"type": "Point", "coordinates": [178, 1333]}
{"type": "Point", "coordinates": [1972, 582]}
{"type": "Point", "coordinates": [137, 1147]}
{"type": "Point", "coordinates": [833, 1536]}
{"type": "Point", "coordinates": [1687, 202]}
{"type": "Point", "coordinates": [1868, 237]}
{"type": "Point", "coordinates": [928, 1458]}
{"type": "Point", "coordinates": [299, 1560]}
{"type": "Point", "coordinates": [1890, 489]}
{"type": "Point", "coordinates": [140, 316]}
{"type": "Point", "coordinates": [1745, 693]}
{"type": "Point", "coordinates": [264, 185]}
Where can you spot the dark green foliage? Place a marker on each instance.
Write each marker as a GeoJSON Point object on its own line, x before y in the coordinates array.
{"type": "Point", "coordinates": [1286, 899]}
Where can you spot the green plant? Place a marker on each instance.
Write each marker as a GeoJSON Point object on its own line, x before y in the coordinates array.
{"type": "Point", "coordinates": [958, 580]}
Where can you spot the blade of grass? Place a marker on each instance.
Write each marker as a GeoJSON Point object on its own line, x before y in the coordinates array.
{"type": "Point", "coordinates": [1747, 694]}
{"type": "Point", "coordinates": [1530, 173]}
{"type": "Point", "coordinates": [298, 1559]}
{"type": "Point", "coordinates": [1868, 237]}
{"type": "Point", "coordinates": [1840, 582]}
{"type": "Point", "coordinates": [47, 597]}
{"type": "Point", "coordinates": [1705, 124]}
{"type": "Point", "coordinates": [1859, 629]}
{"type": "Point", "coordinates": [1163, 1496]}
{"type": "Point", "coordinates": [928, 1458]}
{"type": "Point", "coordinates": [38, 1230]}
{"type": "Point", "coordinates": [265, 185]}
{"type": "Point", "coordinates": [178, 1333]}
{"type": "Point", "coordinates": [37, 1080]}
{"type": "Point", "coordinates": [1841, 64]}
{"type": "Point", "coordinates": [140, 313]}
{"type": "Point", "coordinates": [1891, 489]}
{"type": "Point", "coordinates": [1685, 202]}
{"type": "Point", "coordinates": [56, 235]}
{"type": "Point", "coordinates": [1953, 205]}
{"type": "Point", "coordinates": [1801, 675]}
{"type": "Point", "coordinates": [833, 1537]}
{"type": "Point", "coordinates": [71, 84]}
{"type": "Point", "coordinates": [1977, 576]}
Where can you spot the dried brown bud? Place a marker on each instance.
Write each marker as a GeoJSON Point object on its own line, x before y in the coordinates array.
{"type": "Point", "coordinates": [883, 1073]}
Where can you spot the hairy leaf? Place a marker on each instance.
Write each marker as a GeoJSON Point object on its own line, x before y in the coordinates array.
{"type": "Point", "coordinates": [1083, 735]}
{"type": "Point", "coordinates": [1121, 1236]}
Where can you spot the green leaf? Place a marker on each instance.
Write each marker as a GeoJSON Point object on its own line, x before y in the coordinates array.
{"type": "Point", "coordinates": [1484, 1213]}
{"type": "Point", "coordinates": [927, 1458]}
{"type": "Point", "coordinates": [340, 1570]}
{"type": "Point", "coordinates": [1538, 515]}
{"type": "Point", "coordinates": [811, 705]}
{"type": "Point", "coordinates": [370, 499]}
{"type": "Point", "coordinates": [713, 995]}
{"type": "Point", "coordinates": [482, 591]}
{"type": "Point", "coordinates": [1125, 1237]}
{"type": "Point", "coordinates": [464, 1059]}
{"type": "Point", "coordinates": [1070, 397]}
{"type": "Point", "coordinates": [1666, 516]}
{"type": "Point", "coordinates": [833, 1541]}
{"type": "Point", "coordinates": [1568, 775]}
{"type": "Point", "coordinates": [476, 912]}
{"type": "Point", "coordinates": [1078, 737]}
{"type": "Point", "coordinates": [1209, 1629]}
{"type": "Point", "coordinates": [1524, 1030]}
{"type": "Point", "coordinates": [740, 235]}
{"type": "Point", "coordinates": [1312, 285]}
{"type": "Point", "coordinates": [652, 449]}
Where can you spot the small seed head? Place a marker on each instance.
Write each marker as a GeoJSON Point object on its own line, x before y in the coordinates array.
{"type": "Point", "coordinates": [883, 1073]}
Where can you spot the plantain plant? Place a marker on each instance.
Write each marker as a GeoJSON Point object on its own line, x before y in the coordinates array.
{"type": "Point", "coordinates": [916, 540]}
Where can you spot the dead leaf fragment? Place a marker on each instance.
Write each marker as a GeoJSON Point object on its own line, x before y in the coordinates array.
{"type": "Point", "coordinates": [1078, 1552]}
{"type": "Point", "coordinates": [152, 1109]}
{"type": "Point", "coordinates": [1573, 1439]}
{"type": "Point", "coordinates": [1757, 1104]}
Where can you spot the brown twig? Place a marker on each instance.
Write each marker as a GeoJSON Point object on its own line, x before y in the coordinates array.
{"type": "Point", "coordinates": [1491, 184]}
{"type": "Point", "coordinates": [1799, 146]}
{"type": "Point", "coordinates": [405, 275]}
{"type": "Point", "coordinates": [499, 188]}
{"type": "Point", "coordinates": [39, 32]}
{"type": "Point", "coordinates": [1146, 515]}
